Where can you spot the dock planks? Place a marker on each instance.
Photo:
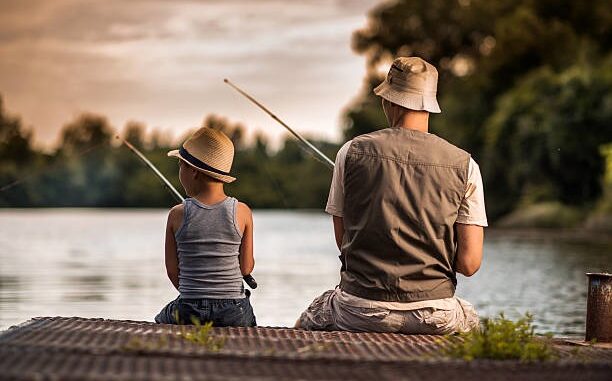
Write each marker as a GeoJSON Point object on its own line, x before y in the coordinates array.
{"type": "Point", "coordinates": [59, 348]}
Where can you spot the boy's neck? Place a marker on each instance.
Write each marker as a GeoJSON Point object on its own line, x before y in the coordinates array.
{"type": "Point", "coordinates": [209, 193]}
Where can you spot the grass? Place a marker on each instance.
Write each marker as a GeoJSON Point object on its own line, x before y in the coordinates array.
{"type": "Point", "coordinates": [503, 339]}
{"type": "Point", "coordinates": [202, 335]}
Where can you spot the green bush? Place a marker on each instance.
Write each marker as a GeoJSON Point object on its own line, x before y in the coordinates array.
{"type": "Point", "coordinates": [543, 215]}
{"type": "Point", "coordinates": [503, 339]}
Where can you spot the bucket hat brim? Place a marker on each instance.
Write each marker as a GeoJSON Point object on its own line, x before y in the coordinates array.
{"type": "Point", "coordinates": [224, 178]}
{"type": "Point", "coordinates": [407, 99]}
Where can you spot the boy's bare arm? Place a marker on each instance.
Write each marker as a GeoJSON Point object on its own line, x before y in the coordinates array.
{"type": "Point", "coordinates": [175, 219]}
{"type": "Point", "coordinates": [245, 218]}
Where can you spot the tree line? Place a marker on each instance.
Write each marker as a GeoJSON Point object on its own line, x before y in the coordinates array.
{"type": "Point", "coordinates": [524, 86]}
{"type": "Point", "coordinates": [91, 168]}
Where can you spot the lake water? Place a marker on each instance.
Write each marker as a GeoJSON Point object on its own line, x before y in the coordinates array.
{"type": "Point", "coordinates": [109, 263]}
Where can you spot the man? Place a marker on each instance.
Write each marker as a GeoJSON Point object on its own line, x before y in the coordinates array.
{"type": "Point", "coordinates": [408, 212]}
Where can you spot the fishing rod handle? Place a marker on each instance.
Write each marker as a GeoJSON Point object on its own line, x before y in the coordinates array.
{"type": "Point", "coordinates": [250, 281]}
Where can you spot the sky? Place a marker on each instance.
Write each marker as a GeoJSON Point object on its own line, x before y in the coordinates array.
{"type": "Point", "coordinates": [162, 62]}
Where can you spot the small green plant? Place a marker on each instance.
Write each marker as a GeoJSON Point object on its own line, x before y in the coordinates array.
{"type": "Point", "coordinates": [201, 334]}
{"type": "Point", "coordinates": [137, 344]}
{"type": "Point", "coordinates": [503, 339]}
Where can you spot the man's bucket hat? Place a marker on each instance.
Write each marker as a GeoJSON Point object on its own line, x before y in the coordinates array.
{"type": "Point", "coordinates": [209, 151]}
{"type": "Point", "coordinates": [411, 83]}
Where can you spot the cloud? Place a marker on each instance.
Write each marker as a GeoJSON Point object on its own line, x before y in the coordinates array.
{"type": "Point", "coordinates": [162, 62]}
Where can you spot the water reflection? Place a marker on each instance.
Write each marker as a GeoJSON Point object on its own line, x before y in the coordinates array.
{"type": "Point", "coordinates": [88, 288]}
{"type": "Point", "coordinates": [8, 285]}
{"type": "Point", "coordinates": [97, 263]}
{"type": "Point", "coordinates": [543, 277]}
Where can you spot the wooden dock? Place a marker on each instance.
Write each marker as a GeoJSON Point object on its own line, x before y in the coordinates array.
{"type": "Point", "coordinates": [59, 348]}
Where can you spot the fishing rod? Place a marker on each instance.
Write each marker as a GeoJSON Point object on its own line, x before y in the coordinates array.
{"type": "Point", "coordinates": [144, 159]}
{"type": "Point", "coordinates": [247, 278]}
{"type": "Point", "coordinates": [321, 155]}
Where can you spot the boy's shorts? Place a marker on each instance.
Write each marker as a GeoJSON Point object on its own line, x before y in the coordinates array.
{"type": "Point", "coordinates": [332, 312]}
{"type": "Point", "coordinates": [222, 312]}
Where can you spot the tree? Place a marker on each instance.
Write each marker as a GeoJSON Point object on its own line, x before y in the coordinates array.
{"type": "Point", "coordinates": [544, 139]}
{"type": "Point", "coordinates": [488, 51]}
{"type": "Point", "coordinates": [85, 148]}
{"type": "Point", "coordinates": [15, 141]}
{"type": "Point", "coordinates": [481, 48]}
{"type": "Point", "coordinates": [16, 156]}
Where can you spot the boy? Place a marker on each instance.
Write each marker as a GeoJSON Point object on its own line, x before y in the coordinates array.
{"type": "Point", "coordinates": [209, 238]}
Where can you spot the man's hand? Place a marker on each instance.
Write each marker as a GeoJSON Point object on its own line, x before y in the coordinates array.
{"type": "Point", "coordinates": [469, 248]}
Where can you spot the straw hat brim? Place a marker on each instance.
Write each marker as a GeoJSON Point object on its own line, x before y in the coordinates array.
{"type": "Point", "coordinates": [409, 100]}
{"type": "Point", "coordinates": [224, 178]}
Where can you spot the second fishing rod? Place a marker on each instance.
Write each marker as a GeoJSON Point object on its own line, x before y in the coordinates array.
{"type": "Point", "coordinates": [305, 143]}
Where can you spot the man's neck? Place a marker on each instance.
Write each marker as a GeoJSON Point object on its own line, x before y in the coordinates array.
{"type": "Point", "coordinates": [416, 120]}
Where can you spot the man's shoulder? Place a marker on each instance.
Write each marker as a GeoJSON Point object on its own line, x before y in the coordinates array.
{"type": "Point", "coordinates": [449, 146]}
{"type": "Point", "coordinates": [370, 140]}
{"type": "Point", "coordinates": [372, 135]}
{"type": "Point", "coordinates": [384, 134]}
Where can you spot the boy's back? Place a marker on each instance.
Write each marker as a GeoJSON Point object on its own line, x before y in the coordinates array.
{"type": "Point", "coordinates": [208, 245]}
{"type": "Point", "coordinates": [209, 238]}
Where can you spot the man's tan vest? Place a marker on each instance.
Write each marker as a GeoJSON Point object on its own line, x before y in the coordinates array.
{"type": "Point", "coordinates": [403, 189]}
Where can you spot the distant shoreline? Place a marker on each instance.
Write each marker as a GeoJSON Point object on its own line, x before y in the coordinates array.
{"type": "Point", "coordinates": [551, 234]}
{"type": "Point", "coordinates": [528, 233]}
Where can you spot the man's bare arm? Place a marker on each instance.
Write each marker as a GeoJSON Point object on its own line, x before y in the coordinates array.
{"type": "Point", "coordinates": [469, 248]}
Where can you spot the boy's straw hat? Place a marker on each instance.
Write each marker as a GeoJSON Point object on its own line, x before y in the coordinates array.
{"type": "Point", "coordinates": [411, 83]}
{"type": "Point", "coordinates": [209, 151]}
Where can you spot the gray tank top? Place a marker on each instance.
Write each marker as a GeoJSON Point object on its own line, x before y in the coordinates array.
{"type": "Point", "coordinates": [208, 244]}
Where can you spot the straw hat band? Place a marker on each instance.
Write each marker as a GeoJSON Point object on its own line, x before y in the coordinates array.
{"type": "Point", "coordinates": [198, 163]}
{"type": "Point", "coordinates": [209, 151]}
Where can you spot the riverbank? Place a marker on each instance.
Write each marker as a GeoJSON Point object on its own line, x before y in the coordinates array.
{"type": "Point", "coordinates": [570, 235]}
{"type": "Point", "coordinates": [561, 218]}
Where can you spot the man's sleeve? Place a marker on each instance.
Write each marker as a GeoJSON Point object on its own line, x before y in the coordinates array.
{"type": "Point", "coordinates": [472, 210]}
{"type": "Point", "coordinates": [335, 201]}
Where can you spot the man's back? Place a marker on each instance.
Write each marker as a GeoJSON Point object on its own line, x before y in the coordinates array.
{"type": "Point", "coordinates": [408, 211]}
{"type": "Point", "coordinates": [403, 190]}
